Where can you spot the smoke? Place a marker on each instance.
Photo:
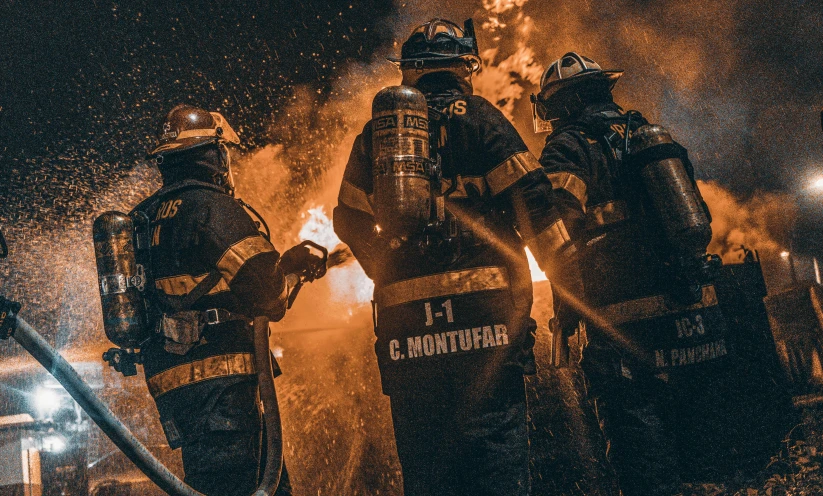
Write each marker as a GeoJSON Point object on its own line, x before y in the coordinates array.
{"type": "Point", "coordinates": [761, 223]}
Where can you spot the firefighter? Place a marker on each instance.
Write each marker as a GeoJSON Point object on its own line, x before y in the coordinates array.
{"type": "Point", "coordinates": [452, 295]}
{"type": "Point", "coordinates": [642, 268]}
{"type": "Point", "coordinates": [213, 272]}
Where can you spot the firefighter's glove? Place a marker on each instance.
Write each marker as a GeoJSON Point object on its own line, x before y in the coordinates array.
{"type": "Point", "coordinates": [8, 317]}
{"type": "Point", "coordinates": [303, 262]}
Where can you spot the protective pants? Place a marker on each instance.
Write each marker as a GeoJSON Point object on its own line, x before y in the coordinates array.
{"type": "Point", "coordinates": [662, 430]}
{"type": "Point", "coordinates": [223, 442]}
{"type": "Point", "coordinates": [450, 444]}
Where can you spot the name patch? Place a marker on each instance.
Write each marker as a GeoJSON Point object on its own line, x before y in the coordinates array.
{"type": "Point", "coordinates": [442, 343]}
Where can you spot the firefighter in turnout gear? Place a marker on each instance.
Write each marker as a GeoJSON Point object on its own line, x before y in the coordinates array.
{"type": "Point", "coordinates": [213, 272]}
{"type": "Point", "coordinates": [439, 221]}
{"type": "Point", "coordinates": [641, 264]}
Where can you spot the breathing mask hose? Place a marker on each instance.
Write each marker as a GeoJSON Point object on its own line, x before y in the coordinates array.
{"type": "Point", "coordinates": [57, 366]}
{"type": "Point", "coordinates": [271, 410]}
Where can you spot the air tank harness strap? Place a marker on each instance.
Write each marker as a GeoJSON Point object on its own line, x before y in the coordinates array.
{"type": "Point", "coordinates": [216, 316]}
{"type": "Point", "coordinates": [183, 328]}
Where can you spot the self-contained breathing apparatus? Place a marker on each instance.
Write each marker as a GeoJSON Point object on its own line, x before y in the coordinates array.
{"type": "Point", "coordinates": [407, 170]}
{"type": "Point", "coordinates": [677, 205]}
{"type": "Point", "coordinates": [134, 311]}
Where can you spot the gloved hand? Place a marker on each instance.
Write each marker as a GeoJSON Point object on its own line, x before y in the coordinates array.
{"type": "Point", "coordinates": [300, 260]}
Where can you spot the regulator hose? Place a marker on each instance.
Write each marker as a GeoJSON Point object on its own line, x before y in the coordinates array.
{"type": "Point", "coordinates": [57, 366]}
{"type": "Point", "coordinates": [120, 435]}
{"type": "Point", "coordinates": [271, 410]}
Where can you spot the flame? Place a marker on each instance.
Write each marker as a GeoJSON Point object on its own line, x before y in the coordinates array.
{"type": "Point", "coordinates": [500, 6]}
{"type": "Point", "coordinates": [537, 272]}
{"type": "Point", "coordinates": [348, 283]}
{"type": "Point", "coordinates": [318, 228]}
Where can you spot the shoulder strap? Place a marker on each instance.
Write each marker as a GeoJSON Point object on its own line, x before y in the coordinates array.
{"type": "Point", "coordinates": [201, 289]}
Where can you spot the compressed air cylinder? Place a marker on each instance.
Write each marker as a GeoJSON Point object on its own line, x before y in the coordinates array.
{"type": "Point", "coordinates": [400, 153]}
{"type": "Point", "coordinates": [121, 280]}
{"type": "Point", "coordinates": [673, 194]}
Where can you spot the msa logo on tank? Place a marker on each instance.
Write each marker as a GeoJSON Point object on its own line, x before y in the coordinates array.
{"type": "Point", "coordinates": [409, 121]}
{"type": "Point", "coordinates": [437, 342]}
{"type": "Point", "coordinates": [691, 346]}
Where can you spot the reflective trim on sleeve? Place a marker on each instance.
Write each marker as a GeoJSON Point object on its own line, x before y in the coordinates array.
{"type": "Point", "coordinates": [552, 239]}
{"type": "Point", "coordinates": [201, 370]}
{"type": "Point", "coordinates": [354, 197]}
{"type": "Point", "coordinates": [652, 307]}
{"type": "Point", "coordinates": [606, 213]}
{"type": "Point", "coordinates": [510, 170]}
{"type": "Point", "coordinates": [571, 183]}
{"type": "Point", "coordinates": [183, 284]}
{"type": "Point", "coordinates": [239, 253]}
{"type": "Point", "coordinates": [443, 284]}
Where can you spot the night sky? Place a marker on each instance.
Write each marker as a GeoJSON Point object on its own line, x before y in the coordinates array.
{"type": "Point", "coordinates": [83, 84]}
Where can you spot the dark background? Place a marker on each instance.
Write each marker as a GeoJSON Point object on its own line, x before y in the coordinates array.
{"type": "Point", "coordinates": [83, 84]}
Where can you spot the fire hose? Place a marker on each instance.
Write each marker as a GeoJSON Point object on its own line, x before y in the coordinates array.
{"type": "Point", "coordinates": [58, 367]}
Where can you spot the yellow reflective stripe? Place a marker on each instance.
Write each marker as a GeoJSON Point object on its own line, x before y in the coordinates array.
{"type": "Point", "coordinates": [196, 133]}
{"type": "Point", "coordinates": [551, 239]}
{"type": "Point", "coordinates": [653, 307]}
{"type": "Point", "coordinates": [184, 284]}
{"type": "Point", "coordinates": [510, 170]}
{"type": "Point", "coordinates": [201, 370]}
{"type": "Point", "coordinates": [460, 190]}
{"type": "Point", "coordinates": [354, 197]}
{"type": "Point", "coordinates": [606, 213]}
{"type": "Point", "coordinates": [239, 253]}
{"type": "Point", "coordinates": [443, 284]}
{"type": "Point", "coordinates": [571, 183]}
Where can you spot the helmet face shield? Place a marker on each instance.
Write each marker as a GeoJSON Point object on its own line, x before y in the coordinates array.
{"type": "Point", "coordinates": [228, 175]}
{"type": "Point", "coordinates": [223, 130]}
{"type": "Point", "coordinates": [539, 111]}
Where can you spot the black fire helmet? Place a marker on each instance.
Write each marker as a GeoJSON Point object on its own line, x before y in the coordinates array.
{"type": "Point", "coordinates": [557, 87]}
{"type": "Point", "coordinates": [439, 41]}
{"type": "Point", "coordinates": [186, 127]}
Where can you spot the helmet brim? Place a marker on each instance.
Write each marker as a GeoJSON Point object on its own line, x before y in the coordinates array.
{"type": "Point", "coordinates": [181, 145]}
{"type": "Point", "coordinates": [434, 57]}
{"type": "Point", "coordinates": [610, 77]}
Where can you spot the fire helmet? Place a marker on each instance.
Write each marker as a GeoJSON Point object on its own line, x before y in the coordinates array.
{"type": "Point", "coordinates": [186, 127]}
{"type": "Point", "coordinates": [439, 46]}
{"type": "Point", "coordinates": [558, 96]}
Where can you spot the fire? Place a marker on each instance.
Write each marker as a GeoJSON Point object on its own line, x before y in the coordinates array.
{"type": "Point", "coordinates": [537, 272]}
{"type": "Point", "coordinates": [318, 228]}
{"type": "Point", "coordinates": [348, 283]}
